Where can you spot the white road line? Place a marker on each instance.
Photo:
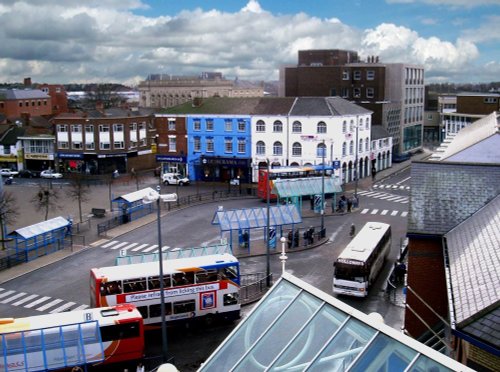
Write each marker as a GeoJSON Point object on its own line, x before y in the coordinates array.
{"type": "Point", "coordinates": [393, 198]}
{"type": "Point", "coordinates": [62, 308]}
{"type": "Point", "coordinates": [151, 248]}
{"type": "Point", "coordinates": [404, 214]}
{"type": "Point", "coordinates": [112, 242]}
{"type": "Point", "coordinates": [131, 245]}
{"type": "Point", "coordinates": [406, 179]}
{"type": "Point", "coordinates": [25, 299]}
{"type": "Point", "coordinates": [384, 212]}
{"type": "Point", "coordinates": [386, 197]}
{"type": "Point", "coordinates": [375, 211]}
{"type": "Point", "coordinates": [81, 307]}
{"type": "Point", "coordinates": [404, 201]}
{"type": "Point", "coordinates": [163, 249]}
{"type": "Point", "coordinates": [34, 303]}
{"type": "Point", "coordinates": [402, 187]}
{"type": "Point", "coordinates": [364, 211]}
{"type": "Point", "coordinates": [395, 186]}
{"type": "Point", "coordinates": [10, 299]}
{"type": "Point", "coordinates": [50, 304]}
{"type": "Point", "coordinates": [393, 213]}
{"type": "Point", "coordinates": [400, 199]}
{"type": "Point", "coordinates": [139, 247]}
{"type": "Point", "coordinates": [7, 293]}
{"type": "Point", "coordinates": [119, 245]}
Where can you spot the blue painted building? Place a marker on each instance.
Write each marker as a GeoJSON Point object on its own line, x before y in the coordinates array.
{"type": "Point", "coordinates": [219, 147]}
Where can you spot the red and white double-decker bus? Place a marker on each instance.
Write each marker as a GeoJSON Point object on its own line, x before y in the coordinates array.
{"type": "Point", "coordinates": [91, 337]}
{"type": "Point", "coordinates": [195, 288]}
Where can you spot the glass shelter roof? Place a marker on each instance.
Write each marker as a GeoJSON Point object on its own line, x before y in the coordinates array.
{"type": "Point", "coordinates": [296, 327]}
{"type": "Point", "coordinates": [286, 188]}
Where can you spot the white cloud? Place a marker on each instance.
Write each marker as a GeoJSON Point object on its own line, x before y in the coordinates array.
{"type": "Point", "coordinates": [82, 41]}
{"type": "Point", "coordinates": [452, 3]}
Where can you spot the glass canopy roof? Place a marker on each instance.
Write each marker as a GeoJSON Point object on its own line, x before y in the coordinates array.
{"type": "Point", "coordinates": [296, 327]}
{"type": "Point", "coordinates": [286, 188]}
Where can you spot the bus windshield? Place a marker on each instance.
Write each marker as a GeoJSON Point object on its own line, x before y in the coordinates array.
{"type": "Point", "coordinates": [355, 273]}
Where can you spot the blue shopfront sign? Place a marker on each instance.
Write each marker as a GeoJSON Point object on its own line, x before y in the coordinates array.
{"type": "Point", "coordinates": [171, 158]}
{"type": "Point", "coordinates": [67, 155]}
{"type": "Point", "coordinates": [336, 164]}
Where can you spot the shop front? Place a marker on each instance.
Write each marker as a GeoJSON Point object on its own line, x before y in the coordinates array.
{"type": "Point", "coordinates": [222, 169]}
{"type": "Point", "coordinates": [173, 164]}
{"type": "Point", "coordinates": [8, 161]}
{"type": "Point", "coordinates": [70, 162]}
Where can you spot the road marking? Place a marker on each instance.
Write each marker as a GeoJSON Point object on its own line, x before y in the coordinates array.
{"type": "Point", "coordinates": [25, 299]}
{"type": "Point", "coordinates": [112, 242]}
{"type": "Point", "coordinates": [364, 211]}
{"type": "Point", "coordinates": [10, 299]}
{"type": "Point", "coordinates": [406, 179]}
{"type": "Point", "coordinates": [384, 212]}
{"type": "Point", "coordinates": [81, 307]}
{"type": "Point", "coordinates": [155, 246]}
{"type": "Point", "coordinates": [404, 214]}
{"type": "Point", "coordinates": [119, 245]}
{"type": "Point", "coordinates": [99, 242]}
{"type": "Point", "coordinates": [5, 294]}
{"type": "Point", "coordinates": [34, 303]}
{"type": "Point", "coordinates": [375, 211]}
{"type": "Point", "coordinates": [386, 197]}
{"type": "Point", "coordinates": [50, 304]}
{"type": "Point", "coordinates": [163, 249]}
{"type": "Point", "coordinates": [393, 213]}
{"type": "Point", "coordinates": [131, 245]}
{"type": "Point", "coordinates": [139, 247]}
{"type": "Point", "coordinates": [400, 199]}
{"type": "Point", "coordinates": [62, 308]}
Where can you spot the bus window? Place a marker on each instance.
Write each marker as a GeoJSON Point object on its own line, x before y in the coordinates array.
{"type": "Point", "coordinates": [184, 307]}
{"type": "Point", "coordinates": [206, 276]}
{"type": "Point", "coordinates": [350, 272]}
{"type": "Point", "coordinates": [112, 288]}
{"type": "Point", "coordinates": [120, 331]}
{"type": "Point", "coordinates": [228, 273]}
{"type": "Point", "coordinates": [155, 310]}
{"type": "Point", "coordinates": [230, 299]}
{"type": "Point", "coordinates": [179, 279]}
{"type": "Point", "coordinates": [154, 282]}
{"type": "Point", "coordinates": [134, 285]}
{"type": "Point", "coordinates": [143, 310]}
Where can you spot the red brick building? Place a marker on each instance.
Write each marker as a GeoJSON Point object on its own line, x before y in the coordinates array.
{"type": "Point", "coordinates": [172, 142]}
{"type": "Point", "coordinates": [58, 96]}
{"type": "Point", "coordinates": [16, 102]}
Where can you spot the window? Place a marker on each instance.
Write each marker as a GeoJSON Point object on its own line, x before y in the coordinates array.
{"type": "Point", "coordinates": [228, 125]}
{"type": "Point", "coordinates": [360, 124]}
{"type": "Point", "coordinates": [118, 145]}
{"type": "Point", "coordinates": [351, 126]}
{"type": "Point", "coordinates": [296, 149]}
{"type": "Point", "coordinates": [104, 145]}
{"type": "Point", "coordinates": [277, 148]}
{"type": "Point", "coordinates": [118, 127]}
{"type": "Point", "coordinates": [261, 126]}
{"type": "Point", "coordinates": [297, 127]}
{"type": "Point", "coordinates": [490, 100]}
{"type": "Point", "coordinates": [133, 127]}
{"type": "Point", "coordinates": [62, 128]}
{"type": "Point", "coordinates": [344, 149]}
{"type": "Point", "coordinates": [367, 123]}
{"type": "Point", "coordinates": [133, 144]}
{"type": "Point", "coordinates": [196, 124]}
{"type": "Point", "coordinates": [345, 75]}
{"type": "Point", "coordinates": [356, 92]}
{"type": "Point", "coordinates": [321, 150]}
{"type": "Point", "coordinates": [351, 147]}
{"type": "Point", "coordinates": [63, 145]}
{"type": "Point", "coordinates": [345, 92]}
{"type": "Point", "coordinates": [357, 75]}
{"type": "Point", "coordinates": [344, 126]}
{"type": "Point", "coordinates": [172, 144]}
{"type": "Point", "coordinates": [370, 92]}
{"type": "Point", "coordinates": [277, 126]}
{"type": "Point", "coordinates": [260, 148]}
{"type": "Point", "coordinates": [171, 124]}
{"type": "Point", "coordinates": [89, 146]}
{"type": "Point", "coordinates": [370, 75]}
{"type": "Point", "coordinates": [89, 129]}
{"type": "Point", "coordinates": [242, 147]}
{"type": "Point", "coordinates": [210, 144]}
{"type": "Point", "coordinates": [367, 144]}
{"type": "Point", "coordinates": [228, 145]}
{"type": "Point", "coordinates": [360, 146]}
{"type": "Point", "coordinates": [76, 128]}
{"type": "Point", "coordinates": [196, 144]}
{"type": "Point", "coordinates": [209, 125]}
{"type": "Point", "coordinates": [104, 129]}
{"type": "Point", "coordinates": [241, 125]}
{"type": "Point", "coordinates": [321, 127]}
{"type": "Point", "coordinates": [76, 145]}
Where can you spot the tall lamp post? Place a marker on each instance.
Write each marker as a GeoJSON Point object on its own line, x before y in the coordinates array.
{"type": "Point", "coordinates": [323, 150]}
{"type": "Point", "coordinates": [268, 203]}
{"type": "Point", "coordinates": [356, 161]}
{"type": "Point", "coordinates": [150, 198]}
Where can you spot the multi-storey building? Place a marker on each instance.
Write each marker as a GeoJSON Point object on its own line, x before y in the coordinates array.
{"type": "Point", "coordinates": [163, 91]}
{"type": "Point", "coordinates": [16, 102]}
{"type": "Point", "coordinates": [394, 92]}
{"type": "Point", "coordinates": [101, 142]}
{"type": "Point", "coordinates": [57, 93]}
{"type": "Point", "coordinates": [172, 143]}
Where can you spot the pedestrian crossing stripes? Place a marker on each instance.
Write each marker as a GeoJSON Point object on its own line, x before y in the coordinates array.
{"type": "Point", "coordinates": [133, 248]}
{"type": "Point", "coordinates": [384, 212]}
{"type": "Point", "coordinates": [391, 187]}
{"type": "Point", "coordinates": [38, 303]}
{"type": "Point", "coordinates": [385, 196]}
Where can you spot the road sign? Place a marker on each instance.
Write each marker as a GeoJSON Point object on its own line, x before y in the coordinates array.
{"type": "Point", "coordinates": [336, 164]}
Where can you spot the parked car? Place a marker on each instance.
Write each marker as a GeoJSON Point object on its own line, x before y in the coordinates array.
{"type": "Point", "coordinates": [26, 173]}
{"type": "Point", "coordinates": [50, 174]}
{"type": "Point", "coordinates": [174, 179]}
{"type": "Point", "coordinates": [6, 172]}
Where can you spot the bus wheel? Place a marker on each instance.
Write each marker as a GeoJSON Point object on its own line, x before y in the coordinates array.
{"type": "Point", "coordinates": [209, 320]}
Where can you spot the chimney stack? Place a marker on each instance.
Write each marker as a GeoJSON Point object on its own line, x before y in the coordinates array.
{"type": "Point", "coordinates": [27, 82]}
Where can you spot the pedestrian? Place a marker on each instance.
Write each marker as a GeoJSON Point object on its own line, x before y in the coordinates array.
{"type": "Point", "coordinates": [290, 239]}
{"type": "Point", "coordinates": [311, 235]}
{"type": "Point", "coordinates": [140, 367]}
{"type": "Point", "coordinates": [349, 205]}
{"type": "Point", "coordinates": [296, 238]}
{"type": "Point", "coordinates": [352, 230]}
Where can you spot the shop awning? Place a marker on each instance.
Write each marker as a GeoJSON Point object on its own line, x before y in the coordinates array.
{"type": "Point", "coordinates": [286, 188]}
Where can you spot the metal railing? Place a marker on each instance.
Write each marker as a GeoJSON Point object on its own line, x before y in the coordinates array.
{"type": "Point", "coordinates": [253, 287]}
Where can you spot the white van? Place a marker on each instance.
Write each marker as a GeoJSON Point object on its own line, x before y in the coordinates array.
{"type": "Point", "coordinates": [174, 179]}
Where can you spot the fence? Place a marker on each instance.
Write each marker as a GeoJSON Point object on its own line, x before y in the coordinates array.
{"type": "Point", "coordinates": [253, 287]}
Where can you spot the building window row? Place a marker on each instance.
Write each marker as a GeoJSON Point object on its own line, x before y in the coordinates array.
{"type": "Point", "coordinates": [33, 103]}
{"type": "Point", "coordinates": [357, 74]}
{"type": "Point", "coordinates": [241, 125]}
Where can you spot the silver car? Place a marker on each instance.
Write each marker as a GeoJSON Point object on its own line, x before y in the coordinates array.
{"type": "Point", "coordinates": [50, 174]}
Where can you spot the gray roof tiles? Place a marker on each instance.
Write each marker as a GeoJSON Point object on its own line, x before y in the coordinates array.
{"type": "Point", "coordinates": [15, 94]}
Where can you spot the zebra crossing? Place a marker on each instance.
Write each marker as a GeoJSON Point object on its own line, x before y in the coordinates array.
{"type": "Point", "coordinates": [385, 196]}
{"type": "Point", "coordinates": [36, 302]}
{"type": "Point", "coordinates": [384, 212]}
{"type": "Point", "coordinates": [391, 187]}
{"type": "Point", "coordinates": [136, 248]}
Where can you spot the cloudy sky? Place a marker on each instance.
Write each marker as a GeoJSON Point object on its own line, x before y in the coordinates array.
{"type": "Point", "coordinates": [63, 41]}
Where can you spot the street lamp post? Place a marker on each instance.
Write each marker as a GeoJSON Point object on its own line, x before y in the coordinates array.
{"type": "Point", "coordinates": [150, 198]}
{"type": "Point", "coordinates": [268, 223]}
{"type": "Point", "coordinates": [356, 161]}
{"type": "Point", "coordinates": [323, 150]}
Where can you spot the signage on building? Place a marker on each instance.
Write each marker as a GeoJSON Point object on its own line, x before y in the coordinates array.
{"type": "Point", "coordinates": [39, 156]}
{"type": "Point", "coordinates": [171, 158]}
{"type": "Point", "coordinates": [66, 155]}
{"type": "Point", "coordinates": [336, 164]}
{"type": "Point", "coordinates": [101, 156]}
{"type": "Point", "coordinates": [237, 162]}
{"type": "Point", "coordinates": [11, 159]}
{"type": "Point", "coordinates": [145, 152]}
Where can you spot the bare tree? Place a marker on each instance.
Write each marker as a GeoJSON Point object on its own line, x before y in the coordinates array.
{"type": "Point", "coordinates": [8, 212]}
{"type": "Point", "coordinates": [45, 200]}
{"type": "Point", "coordinates": [78, 190]}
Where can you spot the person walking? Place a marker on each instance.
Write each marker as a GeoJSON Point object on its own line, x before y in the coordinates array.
{"type": "Point", "coordinates": [349, 205]}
